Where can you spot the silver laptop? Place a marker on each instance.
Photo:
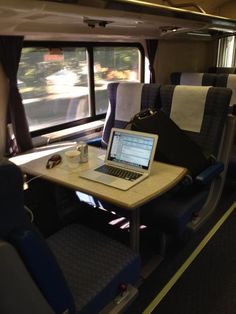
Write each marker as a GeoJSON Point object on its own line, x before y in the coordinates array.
{"type": "Point", "coordinates": [128, 160]}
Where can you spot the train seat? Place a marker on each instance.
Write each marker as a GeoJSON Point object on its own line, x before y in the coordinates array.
{"type": "Point", "coordinates": [226, 70]}
{"type": "Point", "coordinates": [75, 270]}
{"type": "Point", "coordinates": [125, 100]}
{"type": "Point", "coordinates": [229, 81]}
{"type": "Point", "coordinates": [174, 212]}
{"type": "Point", "coordinates": [190, 206]}
{"type": "Point", "coordinates": [191, 78]}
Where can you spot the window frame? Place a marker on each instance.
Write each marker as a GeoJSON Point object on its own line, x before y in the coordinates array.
{"type": "Point", "coordinates": [89, 46]}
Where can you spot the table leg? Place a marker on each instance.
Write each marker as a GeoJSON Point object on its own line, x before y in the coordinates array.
{"type": "Point", "coordinates": [134, 230]}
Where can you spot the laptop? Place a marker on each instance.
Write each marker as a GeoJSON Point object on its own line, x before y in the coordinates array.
{"type": "Point", "coordinates": [128, 159]}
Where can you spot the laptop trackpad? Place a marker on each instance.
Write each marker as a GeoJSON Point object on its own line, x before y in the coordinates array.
{"type": "Point", "coordinates": [106, 179]}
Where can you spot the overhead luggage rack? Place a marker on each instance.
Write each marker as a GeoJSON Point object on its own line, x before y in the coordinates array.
{"type": "Point", "coordinates": [119, 18]}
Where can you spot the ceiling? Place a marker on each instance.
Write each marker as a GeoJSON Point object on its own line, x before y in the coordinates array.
{"type": "Point", "coordinates": [209, 6]}
{"type": "Point", "coordinates": [109, 19]}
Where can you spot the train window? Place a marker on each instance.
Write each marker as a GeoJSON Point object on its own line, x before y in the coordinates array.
{"type": "Point", "coordinates": [66, 86]}
{"type": "Point", "coordinates": [54, 85]}
{"type": "Point", "coordinates": [113, 64]}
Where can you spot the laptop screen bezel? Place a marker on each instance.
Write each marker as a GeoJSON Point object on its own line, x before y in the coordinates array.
{"type": "Point", "coordinates": [127, 166]}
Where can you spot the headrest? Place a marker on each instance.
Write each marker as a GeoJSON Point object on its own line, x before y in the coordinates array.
{"type": "Point", "coordinates": [125, 100]}
{"type": "Point", "coordinates": [12, 213]}
{"type": "Point", "coordinates": [191, 79]}
{"type": "Point", "coordinates": [188, 106]}
{"type": "Point", "coordinates": [128, 100]}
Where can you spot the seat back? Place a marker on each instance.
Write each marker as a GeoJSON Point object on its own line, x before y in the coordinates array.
{"type": "Point", "coordinates": [198, 79]}
{"type": "Point", "coordinates": [212, 129]}
{"type": "Point", "coordinates": [226, 70]}
{"type": "Point", "coordinates": [16, 228]}
{"type": "Point", "coordinates": [60, 275]}
{"type": "Point", "coordinates": [125, 100]}
{"type": "Point", "coordinates": [19, 293]}
{"type": "Point", "coordinates": [12, 213]}
{"type": "Point", "coordinates": [200, 111]}
{"type": "Point", "coordinates": [229, 81]}
{"type": "Point", "coordinates": [215, 135]}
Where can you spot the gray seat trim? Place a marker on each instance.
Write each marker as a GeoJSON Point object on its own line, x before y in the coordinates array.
{"type": "Point", "coordinates": [18, 291]}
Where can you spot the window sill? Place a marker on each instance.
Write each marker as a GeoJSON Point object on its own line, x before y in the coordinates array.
{"type": "Point", "coordinates": [83, 132]}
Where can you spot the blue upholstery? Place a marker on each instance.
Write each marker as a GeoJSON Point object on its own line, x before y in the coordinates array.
{"type": "Point", "coordinates": [94, 265]}
{"type": "Point", "coordinates": [11, 218]}
{"type": "Point", "coordinates": [15, 226]}
{"type": "Point", "coordinates": [226, 70]}
{"type": "Point", "coordinates": [216, 110]}
{"type": "Point", "coordinates": [218, 77]}
{"type": "Point", "coordinates": [77, 269]}
{"type": "Point", "coordinates": [173, 211]}
{"type": "Point", "coordinates": [206, 176]}
{"type": "Point", "coordinates": [222, 80]}
{"type": "Point", "coordinates": [44, 269]}
{"type": "Point", "coordinates": [227, 80]}
{"type": "Point", "coordinates": [149, 99]}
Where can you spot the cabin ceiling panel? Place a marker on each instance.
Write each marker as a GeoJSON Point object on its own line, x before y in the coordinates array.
{"type": "Point", "coordinates": [50, 18]}
{"type": "Point", "coordinates": [37, 17]}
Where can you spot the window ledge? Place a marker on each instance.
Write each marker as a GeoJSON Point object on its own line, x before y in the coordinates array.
{"type": "Point", "coordinates": [69, 133]}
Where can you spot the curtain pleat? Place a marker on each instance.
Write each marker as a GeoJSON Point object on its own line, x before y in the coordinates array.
{"type": "Point", "coordinates": [18, 139]}
{"type": "Point", "coordinates": [151, 52]}
{"type": "Point", "coordinates": [226, 52]}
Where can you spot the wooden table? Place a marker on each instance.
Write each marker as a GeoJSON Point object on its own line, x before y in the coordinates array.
{"type": "Point", "coordinates": [162, 178]}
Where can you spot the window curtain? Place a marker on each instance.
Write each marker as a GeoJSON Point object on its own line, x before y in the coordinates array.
{"type": "Point", "coordinates": [234, 52]}
{"type": "Point", "coordinates": [151, 52]}
{"type": "Point", "coordinates": [226, 52]}
{"type": "Point", "coordinates": [18, 136]}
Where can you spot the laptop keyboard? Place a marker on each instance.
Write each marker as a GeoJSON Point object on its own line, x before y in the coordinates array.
{"type": "Point", "coordinates": [120, 173]}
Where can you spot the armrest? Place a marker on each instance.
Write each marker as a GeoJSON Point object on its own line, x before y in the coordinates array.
{"type": "Point", "coordinates": [210, 173]}
{"type": "Point", "coordinates": [95, 142]}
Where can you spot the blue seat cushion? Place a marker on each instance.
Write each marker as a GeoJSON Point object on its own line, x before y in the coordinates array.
{"type": "Point", "coordinates": [93, 265]}
{"type": "Point", "coordinates": [171, 214]}
{"type": "Point", "coordinates": [44, 269]}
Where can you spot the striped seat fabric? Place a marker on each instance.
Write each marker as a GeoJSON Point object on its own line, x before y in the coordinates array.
{"type": "Point", "coordinates": [192, 78]}
{"type": "Point", "coordinates": [125, 100]}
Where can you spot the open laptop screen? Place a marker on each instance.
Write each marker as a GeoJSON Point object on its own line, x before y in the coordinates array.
{"type": "Point", "coordinates": [131, 149]}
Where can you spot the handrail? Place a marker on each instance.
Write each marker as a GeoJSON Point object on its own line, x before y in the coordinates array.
{"type": "Point", "coordinates": [187, 4]}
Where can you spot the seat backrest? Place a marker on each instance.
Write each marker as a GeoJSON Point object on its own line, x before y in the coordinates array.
{"type": "Point", "coordinates": [200, 111]}
{"type": "Point", "coordinates": [19, 293]}
{"type": "Point", "coordinates": [60, 275]}
{"type": "Point", "coordinates": [227, 70]}
{"type": "Point", "coordinates": [125, 100]}
{"type": "Point", "coordinates": [191, 78]}
{"type": "Point", "coordinates": [229, 81]}
{"type": "Point", "coordinates": [16, 228]}
{"type": "Point", "coordinates": [12, 214]}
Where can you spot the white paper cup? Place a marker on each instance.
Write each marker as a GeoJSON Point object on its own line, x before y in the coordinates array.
{"type": "Point", "coordinates": [72, 158]}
